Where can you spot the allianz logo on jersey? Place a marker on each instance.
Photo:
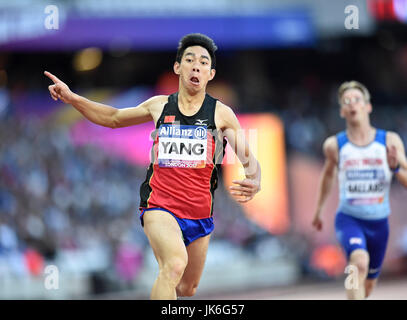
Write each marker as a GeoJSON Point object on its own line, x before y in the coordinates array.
{"type": "Point", "coordinates": [365, 174]}
{"type": "Point", "coordinates": [182, 131]}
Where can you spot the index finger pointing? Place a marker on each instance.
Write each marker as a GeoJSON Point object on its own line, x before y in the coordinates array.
{"type": "Point", "coordinates": [52, 77]}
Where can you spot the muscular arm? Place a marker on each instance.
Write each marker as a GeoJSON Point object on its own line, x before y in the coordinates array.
{"type": "Point", "coordinates": [396, 156]}
{"type": "Point", "coordinates": [103, 114]}
{"type": "Point", "coordinates": [111, 117]}
{"type": "Point", "coordinates": [330, 149]}
{"type": "Point", "coordinates": [227, 121]}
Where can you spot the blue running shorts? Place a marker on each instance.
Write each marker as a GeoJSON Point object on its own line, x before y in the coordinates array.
{"type": "Point", "coordinates": [191, 229]}
{"type": "Point", "coordinates": [370, 235]}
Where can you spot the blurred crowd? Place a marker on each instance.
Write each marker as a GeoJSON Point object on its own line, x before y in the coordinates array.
{"type": "Point", "coordinates": [54, 196]}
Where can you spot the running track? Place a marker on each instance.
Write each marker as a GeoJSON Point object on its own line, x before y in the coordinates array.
{"type": "Point", "coordinates": [385, 290]}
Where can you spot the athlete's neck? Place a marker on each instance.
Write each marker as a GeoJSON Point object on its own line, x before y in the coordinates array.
{"type": "Point", "coordinates": [360, 134]}
{"type": "Point", "coordinates": [189, 102]}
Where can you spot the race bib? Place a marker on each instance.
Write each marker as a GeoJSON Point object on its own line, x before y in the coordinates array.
{"type": "Point", "coordinates": [364, 187]}
{"type": "Point", "coordinates": [182, 146]}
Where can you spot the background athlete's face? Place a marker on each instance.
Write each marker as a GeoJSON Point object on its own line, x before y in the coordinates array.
{"type": "Point", "coordinates": [195, 68]}
{"type": "Point", "coordinates": [354, 107]}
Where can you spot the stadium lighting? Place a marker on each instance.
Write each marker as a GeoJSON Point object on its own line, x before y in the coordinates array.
{"type": "Point", "coordinates": [87, 59]}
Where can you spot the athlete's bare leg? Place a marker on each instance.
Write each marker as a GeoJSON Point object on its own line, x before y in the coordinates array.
{"type": "Point", "coordinates": [165, 238]}
{"type": "Point", "coordinates": [360, 259]}
{"type": "Point", "coordinates": [369, 285]}
{"type": "Point", "coordinates": [197, 251]}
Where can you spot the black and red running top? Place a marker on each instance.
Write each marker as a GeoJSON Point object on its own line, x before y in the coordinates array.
{"type": "Point", "coordinates": [185, 159]}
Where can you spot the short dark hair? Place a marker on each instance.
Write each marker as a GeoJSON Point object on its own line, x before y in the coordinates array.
{"type": "Point", "coordinates": [197, 39]}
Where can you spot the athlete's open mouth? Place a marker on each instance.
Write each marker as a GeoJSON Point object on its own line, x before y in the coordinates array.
{"type": "Point", "coordinates": [194, 80]}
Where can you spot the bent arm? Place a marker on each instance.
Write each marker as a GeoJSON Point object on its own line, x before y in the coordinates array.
{"type": "Point", "coordinates": [237, 140]}
{"type": "Point", "coordinates": [103, 114]}
{"type": "Point", "coordinates": [329, 171]}
{"type": "Point", "coordinates": [111, 117]}
{"type": "Point", "coordinates": [229, 124]}
{"type": "Point", "coordinates": [394, 140]}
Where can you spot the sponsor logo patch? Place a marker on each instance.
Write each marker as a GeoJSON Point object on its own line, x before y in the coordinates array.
{"type": "Point", "coordinates": [355, 240]}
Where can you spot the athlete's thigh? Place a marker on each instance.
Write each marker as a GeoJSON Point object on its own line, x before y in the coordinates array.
{"type": "Point", "coordinates": [377, 239]}
{"type": "Point", "coordinates": [164, 235]}
{"type": "Point", "coordinates": [349, 234]}
{"type": "Point", "coordinates": [197, 251]}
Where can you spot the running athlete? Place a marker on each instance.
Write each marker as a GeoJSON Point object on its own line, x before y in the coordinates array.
{"type": "Point", "coordinates": [365, 159]}
{"type": "Point", "coordinates": [177, 195]}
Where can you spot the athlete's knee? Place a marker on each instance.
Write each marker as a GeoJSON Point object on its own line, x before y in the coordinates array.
{"type": "Point", "coordinates": [173, 269]}
{"type": "Point", "coordinates": [362, 267]}
{"type": "Point", "coordinates": [361, 262]}
{"type": "Point", "coordinates": [186, 289]}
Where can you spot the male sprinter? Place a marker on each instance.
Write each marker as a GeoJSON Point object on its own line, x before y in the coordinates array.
{"type": "Point", "coordinates": [365, 159]}
{"type": "Point", "coordinates": [177, 195]}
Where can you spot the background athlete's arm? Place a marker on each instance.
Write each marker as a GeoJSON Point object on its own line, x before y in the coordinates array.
{"type": "Point", "coordinates": [99, 113]}
{"type": "Point", "coordinates": [246, 188]}
{"type": "Point", "coordinates": [330, 149]}
{"type": "Point", "coordinates": [396, 156]}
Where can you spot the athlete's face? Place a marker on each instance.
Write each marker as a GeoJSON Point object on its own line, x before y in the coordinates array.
{"type": "Point", "coordinates": [354, 107]}
{"type": "Point", "coordinates": [195, 68]}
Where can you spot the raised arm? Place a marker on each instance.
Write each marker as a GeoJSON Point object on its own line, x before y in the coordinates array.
{"type": "Point", "coordinates": [226, 120]}
{"type": "Point", "coordinates": [396, 157]}
{"type": "Point", "coordinates": [330, 149]}
{"type": "Point", "coordinates": [103, 114]}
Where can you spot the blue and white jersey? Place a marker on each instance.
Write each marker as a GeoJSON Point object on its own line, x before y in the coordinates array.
{"type": "Point", "coordinates": [364, 178]}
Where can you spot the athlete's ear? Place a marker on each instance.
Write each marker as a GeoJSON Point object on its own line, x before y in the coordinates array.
{"type": "Point", "coordinates": [212, 74]}
{"type": "Point", "coordinates": [341, 112]}
{"type": "Point", "coordinates": [369, 107]}
{"type": "Point", "coordinates": [177, 67]}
